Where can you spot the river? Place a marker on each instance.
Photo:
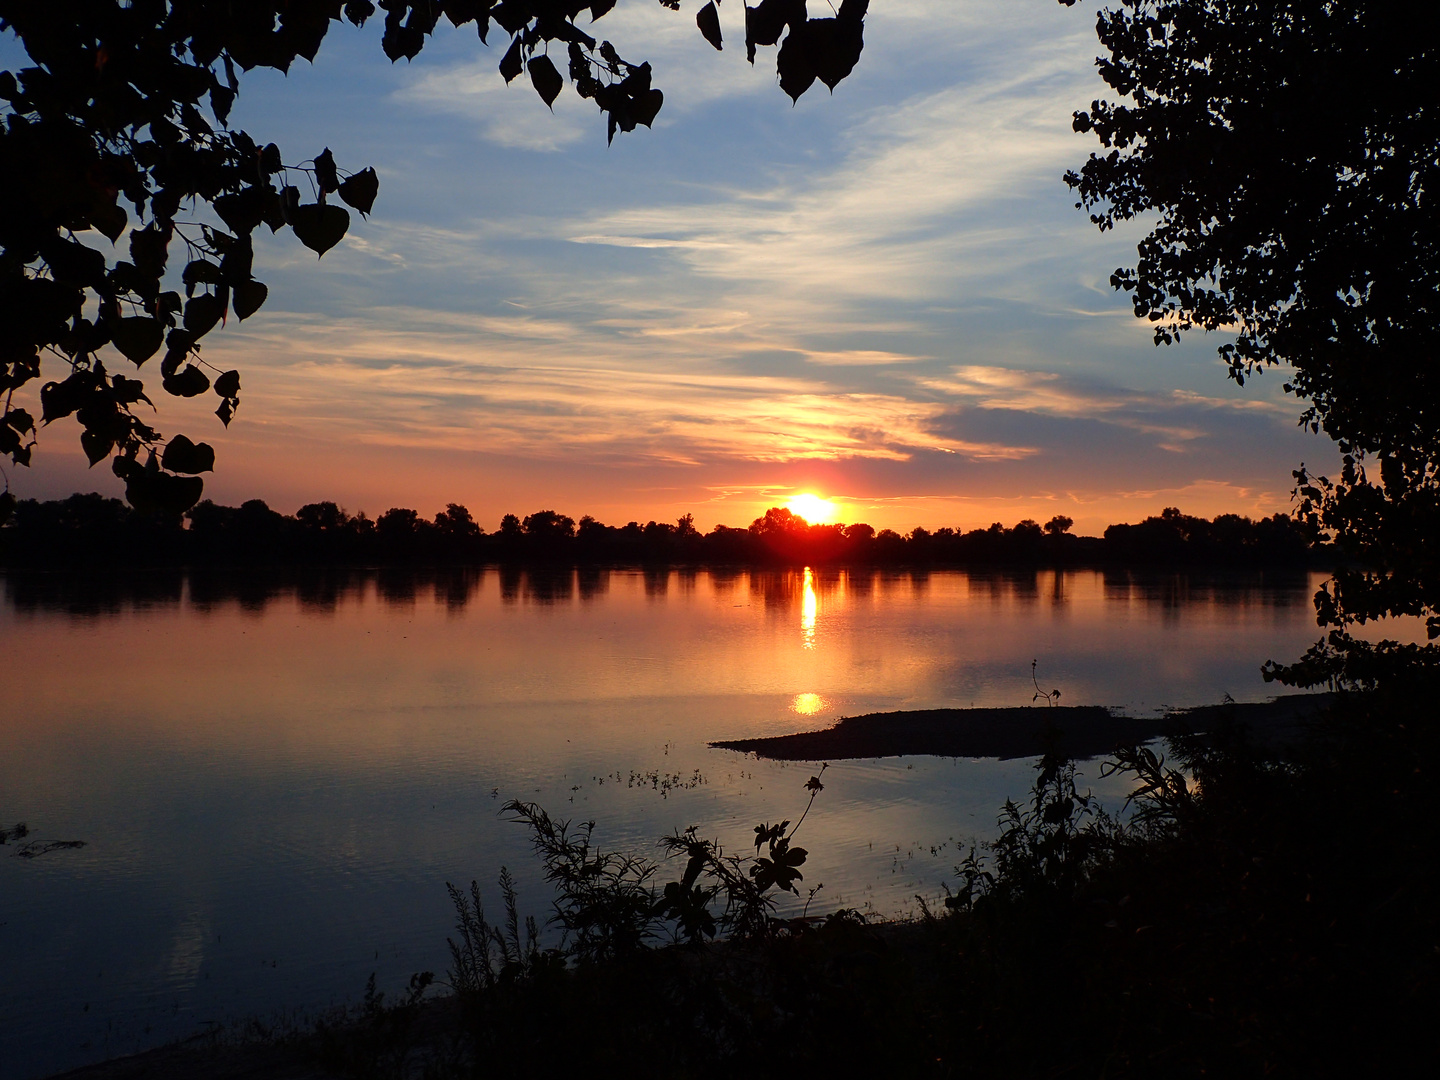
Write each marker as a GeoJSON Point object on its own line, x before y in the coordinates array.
{"type": "Point", "coordinates": [275, 776]}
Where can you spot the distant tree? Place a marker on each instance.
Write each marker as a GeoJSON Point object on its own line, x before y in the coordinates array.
{"type": "Point", "coordinates": [1288, 152]}
{"type": "Point", "coordinates": [398, 524]}
{"type": "Point", "coordinates": [126, 103]}
{"type": "Point", "coordinates": [591, 531]}
{"type": "Point", "coordinates": [324, 516]}
{"type": "Point", "coordinates": [548, 525]}
{"type": "Point", "coordinates": [778, 521]}
{"type": "Point", "coordinates": [456, 522]}
{"type": "Point", "coordinates": [1058, 525]}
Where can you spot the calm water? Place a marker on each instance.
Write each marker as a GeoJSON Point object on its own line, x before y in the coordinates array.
{"type": "Point", "coordinates": [275, 780]}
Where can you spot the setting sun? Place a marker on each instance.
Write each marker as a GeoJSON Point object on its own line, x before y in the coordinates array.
{"type": "Point", "coordinates": [812, 508]}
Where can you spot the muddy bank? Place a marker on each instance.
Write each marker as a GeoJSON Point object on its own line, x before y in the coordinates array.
{"type": "Point", "coordinates": [1080, 731]}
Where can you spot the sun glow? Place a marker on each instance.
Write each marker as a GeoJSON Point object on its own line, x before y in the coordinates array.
{"type": "Point", "coordinates": [809, 704]}
{"type": "Point", "coordinates": [812, 508]}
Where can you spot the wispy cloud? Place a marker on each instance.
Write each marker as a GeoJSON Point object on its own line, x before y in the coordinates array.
{"type": "Point", "coordinates": [529, 390]}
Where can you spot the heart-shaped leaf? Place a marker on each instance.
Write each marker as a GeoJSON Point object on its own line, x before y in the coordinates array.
{"type": "Point", "coordinates": [110, 219]}
{"type": "Point", "coordinates": [320, 226]}
{"type": "Point", "coordinates": [202, 313]}
{"type": "Point", "coordinates": [58, 399]}
{"type": "Point", "coordinates": [183, 456]}
{"type": "Point", "coordinates": [154, 492]}
{"type": "Point", "coordinates": [199, 272]}
{"type": "Point", "coordinates": [248, 296]}
{"type": "Point", "coordinates": [794, 62]}
{"type": "Point", "coordinates": [138, 339]}
{"type": "Point", "coordinates": [228, 384]}
{"type": "Point", "coordinates": [242, 210]}
{"type": "Point", "coordinates": [646, 106]}
{"type": "Point", "coordinates": [360, 190]}
{"type": "Point", "coordinates": [96, 446]}
{"type": "Point", "coordinates": [189, 381]}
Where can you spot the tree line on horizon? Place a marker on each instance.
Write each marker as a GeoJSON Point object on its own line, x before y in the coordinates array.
{"type": "Point", "coordinates": [83, 530]}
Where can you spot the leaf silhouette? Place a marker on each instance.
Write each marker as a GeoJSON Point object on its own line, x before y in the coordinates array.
{"type": "Point", "coordinates": [189, 381]}
{"type": "Point", "coordinates": [228, 384]}
{"type": "Point", "coordinates": [202, 313]}
{"type": "Point", "coordinates": [199, 272]}
{"type": "Point", "coordinates": [152, 491]}
{"type": "Point", "coordinates": [248, 296]}
{"type": "Point", "coordinates": [138, 339]}
{"type": "Point", "coordinates": [360, 190]}
{"type": "Point", "coordinates": [95, 445]}
{"type": "Point", "coordinates": [325, 174]}
{"type": "Point", "coordinates": [183, 456]}
{"type": "Point", "coordinates": [320, 226]}
{"type": "Point", "coordinates": [765, 22]}
{"type": "Point", "coordinates": [546, 80]}
{"type": "Point", "coordinates": [708, 19]}
{"type": "Point", "coordinates": [513, 62]}
{"type": "Point", "coordinates": [795, 63]}
{"type": "Point", "coordinates": [110, 219]}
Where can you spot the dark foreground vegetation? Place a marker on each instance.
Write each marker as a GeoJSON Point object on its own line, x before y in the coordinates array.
{"type": "Point", "coordinates": [1256, 913]}
{"type": "Point", "coordinates": [84, 531]}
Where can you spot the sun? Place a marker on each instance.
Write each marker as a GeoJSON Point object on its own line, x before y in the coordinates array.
{"type": "Point", "coordinates": [812, 508]}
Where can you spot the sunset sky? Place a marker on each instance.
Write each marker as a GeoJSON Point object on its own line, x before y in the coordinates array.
{"type": "Point", "coordinates": [884, 296]}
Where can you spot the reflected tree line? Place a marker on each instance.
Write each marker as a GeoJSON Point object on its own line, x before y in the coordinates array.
{"type": "Point", "coordinates": [86, 531]}
{"type": "Point", "coordinates": [776, 590]}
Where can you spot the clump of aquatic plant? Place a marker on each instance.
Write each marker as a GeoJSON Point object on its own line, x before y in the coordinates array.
{"type": "Point", "coordinates": [33, 849]}
{"type": "Point", "coordinates": [609, 904]}
{"type": "Point", "coordinates": [487, 955]}
{"type": "Point", "coordinates": [1045, 844]}
{"type": "Point", "coordinates": [745, 895]}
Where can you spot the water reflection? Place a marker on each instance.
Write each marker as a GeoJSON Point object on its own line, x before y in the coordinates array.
{"type": "Point", "coordinates": [808, 704]}
{"type": "Point", "coordinates": [779, 591]}
{"type": "Point", "coordinates": [808, 608]}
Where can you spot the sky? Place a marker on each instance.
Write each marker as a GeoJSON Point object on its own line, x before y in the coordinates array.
{"type": "Point", "coordinates": [884, 296]}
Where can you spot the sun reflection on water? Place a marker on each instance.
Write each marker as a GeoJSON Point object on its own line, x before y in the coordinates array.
{"type": "Point", "coordinates": [808, 704]}
{"type": "Point", "coordinates": [808, 607]}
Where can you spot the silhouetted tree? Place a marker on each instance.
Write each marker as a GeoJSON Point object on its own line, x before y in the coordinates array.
{"type": "Point", "coordinates": [548, 525]}
{"type": "Point", "coordinates": [1291, 155]}
{"type": "Point", "coordinates": [322, 516]}
{"type": "Point", "coordinates": [127, 104]}
{"type": "Point", "coordinates": [455, 521]}
{"type": "Point", "coordinates": [1058, 525]}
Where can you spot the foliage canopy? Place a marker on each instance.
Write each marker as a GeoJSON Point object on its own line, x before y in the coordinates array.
{"type": "Point", "coordinates": [118, 130]}
{"type": "Point", "coordinates": [1289, 153]}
